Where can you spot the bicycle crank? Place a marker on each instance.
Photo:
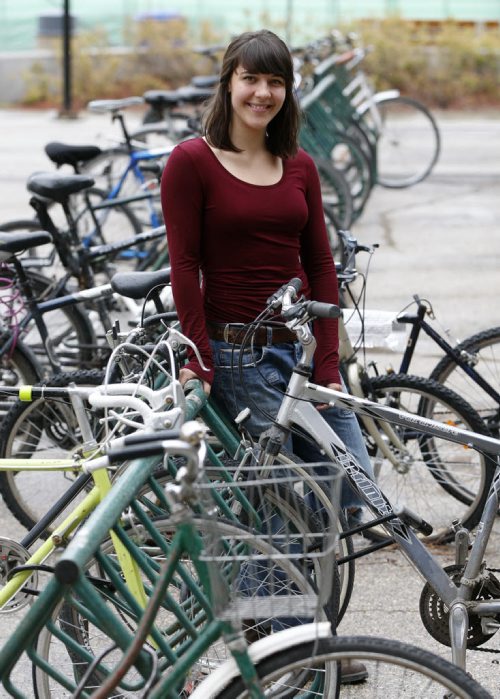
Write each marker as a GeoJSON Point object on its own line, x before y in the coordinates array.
{"type": "Point", "coordinates": [13, 555]}
{"type": "Point", "coordinates": [435, 615]}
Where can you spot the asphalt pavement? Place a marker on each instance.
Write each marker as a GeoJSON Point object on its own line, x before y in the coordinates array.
{"type": "Point", "coordinates": [440, 239]}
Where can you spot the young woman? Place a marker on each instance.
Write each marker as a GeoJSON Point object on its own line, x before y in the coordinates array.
{"type": "Point", "coordinates": [244, 215]}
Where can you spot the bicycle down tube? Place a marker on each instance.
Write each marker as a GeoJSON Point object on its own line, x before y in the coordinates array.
{"type": "Point", "coordinates": [457, 599]}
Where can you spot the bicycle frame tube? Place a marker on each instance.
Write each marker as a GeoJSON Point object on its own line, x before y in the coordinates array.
{"type": "Point", "coordinates": [354, 376]}
{"type": "Point", "coordinates": [133, 166]}
{"type": "Point", "coordinates": [420, 324]}
{"type": "Point", "coordinates": [304, 414]}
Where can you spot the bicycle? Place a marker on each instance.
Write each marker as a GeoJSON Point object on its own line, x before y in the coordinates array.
{"type": "Point", "coordinates": [14, 554]}
{"type": "Point", "coordinates": [403, 157]}
{"type": "Point", "coordinates": [67, 336]}
{"type": "Point", "coordinates": [465, 595]}
{"type": "Point", "coordinates": [300, 660]}
{"type": "Point", "coordinates": [468, 367]}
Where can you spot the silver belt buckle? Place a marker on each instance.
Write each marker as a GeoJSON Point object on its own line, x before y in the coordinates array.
{"type": "Point", "coordinates": [225, 334]}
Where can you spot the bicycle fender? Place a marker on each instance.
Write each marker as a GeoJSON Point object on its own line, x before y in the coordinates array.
{"type": "Point", "coordinates": [376, 98]}
{"type": "Point", "coordinates": [259, 650]}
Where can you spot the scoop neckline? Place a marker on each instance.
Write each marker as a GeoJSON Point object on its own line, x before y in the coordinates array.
{"type": "Point", "coordinates": [238, 179]}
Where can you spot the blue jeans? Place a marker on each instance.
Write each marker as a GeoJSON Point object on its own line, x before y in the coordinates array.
{"type": "Point", "coordinates": [266, 371]}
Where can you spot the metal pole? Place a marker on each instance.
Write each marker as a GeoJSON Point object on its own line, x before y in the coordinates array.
{"type": "Point", "coordinates": [289, 22]}
{"type": "Point", "coordinates": [67, 107]}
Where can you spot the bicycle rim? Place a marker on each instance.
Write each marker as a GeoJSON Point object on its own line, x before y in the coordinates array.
{"type": "Point", "coordinates": [440, 480]}
{"type": "Point", "coordinates": [44, 428]}
{"type": "Point", "coordinates": [395, 670]}
{"type": "Point", "coordinates": [409, 145]}
{"type": "Point", "coordinates": [481, 352]}
{"type": "Point", "coordinates": [75, 636]}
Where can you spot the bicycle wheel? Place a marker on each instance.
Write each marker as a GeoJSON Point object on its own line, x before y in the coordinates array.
{"type": "Point", "coordinates": [285, 510]}
{"type": "Point", "coordinates": [351, 161]}
{"type": "Point", "coordinates": [112, 172]}
{"type": "Point", "coordinates": [107, 167]}
{"type": "Point", "coordinates": [481, 352]}
{"type": "Point", "coordinates": [395, 670]}
{"type": "Point", "coordinates": [166, 133]}
{"type": "Point", "coordinates": [17, 367]}
{"type": "Point", "coordinates": [337, 198]}
{"type": "Point", "coordinates": [408, 143]}
{"type": "Point", "coordinates": [43, 428]}
{"type": "Point", "coordinates": [332, 228]}
{"type": "Point", "coordinates": [75, 636]}
{"type": "Point", "coordinates": [311, 520]}
{"type": "Point", "coordinates": [116, 222]}
{"type": "Point", "coordinates": [69, 328]}
{"type": "Point", "coordinates": [440, 480]}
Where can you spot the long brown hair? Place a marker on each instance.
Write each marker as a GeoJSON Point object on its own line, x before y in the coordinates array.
{"type": "Point", "coordinates": [258, 52]}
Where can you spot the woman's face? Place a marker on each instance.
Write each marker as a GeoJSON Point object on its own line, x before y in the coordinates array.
{"type": "Point", "coordinates": [256, 98]}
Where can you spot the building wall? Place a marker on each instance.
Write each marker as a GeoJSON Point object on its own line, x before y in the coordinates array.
{"type": "Point", "coordinates": [301, 20]}
{"type": "Point", "coordinates": [298, 21]}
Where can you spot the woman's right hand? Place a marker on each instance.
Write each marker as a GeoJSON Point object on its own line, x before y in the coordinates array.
{"type": "Point", "coordinates": [187, 374]}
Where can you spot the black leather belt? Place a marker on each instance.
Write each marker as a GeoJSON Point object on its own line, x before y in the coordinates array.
{"type": "Point", "coordinates": [263, 335]}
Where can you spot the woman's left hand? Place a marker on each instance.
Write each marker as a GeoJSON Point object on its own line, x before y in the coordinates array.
{"type": "Point", "coordinates": [334, 387]}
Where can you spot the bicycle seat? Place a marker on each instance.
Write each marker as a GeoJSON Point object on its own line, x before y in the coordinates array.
{"type": "Point", "coordinates": [10, 243]}
{"type": "Point", "coordinates": [161, 98]}
{"type": "Point", "coordinates": [55, 187]}
{"type": "Point", "coordinates": [137, 285]}
{"type": "Point", "coordinates": [114, 105]}
{"type": "Point", "coordinates": [192, 94]}
{"type": "Point", "coordinates": [204, 81]}
{"type": "Point", "coordinates": [62, 154]}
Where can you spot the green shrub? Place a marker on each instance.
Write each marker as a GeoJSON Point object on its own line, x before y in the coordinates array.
{"type": "Point", "coordinates": [448, 65]}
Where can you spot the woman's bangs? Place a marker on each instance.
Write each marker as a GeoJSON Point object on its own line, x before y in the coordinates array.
{"type": "Point", "coordinates": [256, 58]}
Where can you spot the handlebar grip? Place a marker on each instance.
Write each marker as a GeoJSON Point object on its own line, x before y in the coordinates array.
{"type": "Point", "coordinates": [319, 309]}
{"type": "Point", "coordinates": [296, 283]}
{"type": "Point", "coordinates": [275, 299]}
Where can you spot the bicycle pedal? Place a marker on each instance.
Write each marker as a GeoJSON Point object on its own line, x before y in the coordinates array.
{"type": "Point", "coordinates": [414, 521]}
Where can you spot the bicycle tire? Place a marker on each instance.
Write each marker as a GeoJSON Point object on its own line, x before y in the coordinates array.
{"type": "Point", "coordinates": [345, 546]}
{"type": "Point", "coordinates": [290, 507]}
{"type": "Point", "coordinates": [164, 134]}
{"type": "Point", "coordinates": [20, 366]}
{"type": "Point", "coordinates": [351, 161]}
{"type": "Point", "coordinates": [421, 476]}
{"type": "Point", "coordinates": [109, 232]}
{"type": "Point", "coordinates": [347, 157]}
{"type": "Point", "coordinates": [85, 636]}
{"type": "Point", "coordinates": [482, 352]}
{"type": "Point", "coordinates": [405, 158]}
{"type": "Point", "coordinates": [44, 427]}
{"type": "Point", "coordinates": [69, 328]}
{"type": "Point", "coordinates": [332, 228]}
{"type": "Point", "coordinates": [108, 169]}
{"type": "Point", "coordinates": [337, 197]}
{"type": "Point", "coordinates": [395, 670]}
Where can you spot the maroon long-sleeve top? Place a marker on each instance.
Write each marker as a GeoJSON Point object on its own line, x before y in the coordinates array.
{"type": "Point", "coordinates": [247, 240]}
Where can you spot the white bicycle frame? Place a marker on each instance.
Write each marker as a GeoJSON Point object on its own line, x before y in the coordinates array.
{"type": "Point", "coordinates": [297, 408]}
